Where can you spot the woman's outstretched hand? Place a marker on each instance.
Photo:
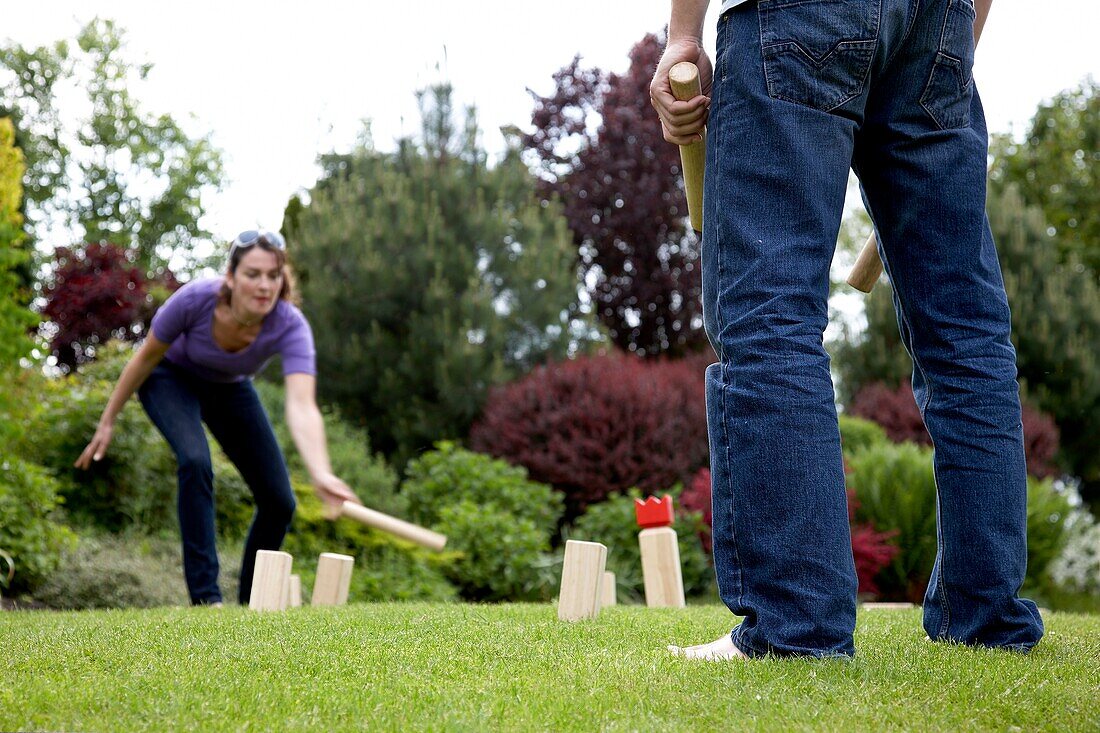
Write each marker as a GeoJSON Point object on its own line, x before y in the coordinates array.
{"type": "Point", "coordinates": [97, 447]}
{"type": "Point", "coordinates": [333, 492]}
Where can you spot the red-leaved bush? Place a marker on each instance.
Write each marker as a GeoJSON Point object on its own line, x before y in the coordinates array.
{"type": "Point", "coordinates": [1041, 440]}
{"type": "Point", "coordinates": [594, 426]}
{"type": "Point", "coordinates": [896, 411]}
{"type": "Point", "coordinates": [696, 498]}
{"type": "Point", "coordinates": [872, 549]}
{"type": "Point", "coordinates": [97, 294]}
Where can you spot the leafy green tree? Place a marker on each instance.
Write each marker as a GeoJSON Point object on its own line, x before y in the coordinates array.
{"type": "Point", "coordinates": [15, 317]}
{"type": "Point", "coordinates": [429, 276]}
{"type": "Point", "coordinates": [1056, 168]}
{"type": "Point", "coordinates": [28, 493]}
{"type": "Point", "coordinates": [121, 174]}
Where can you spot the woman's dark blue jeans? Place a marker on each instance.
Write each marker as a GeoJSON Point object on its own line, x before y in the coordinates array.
{"type": "Point", "coordinates": [802, 92]}
{"type": "Point", "coordinates": [179, 403]}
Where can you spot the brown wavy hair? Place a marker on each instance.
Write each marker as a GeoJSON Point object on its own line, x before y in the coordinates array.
{"type": "Point", "coordinates": [289, 290]}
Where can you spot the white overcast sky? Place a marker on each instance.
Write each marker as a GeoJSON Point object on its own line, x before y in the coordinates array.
{"type": "Point", "coordinates": [278, 83]}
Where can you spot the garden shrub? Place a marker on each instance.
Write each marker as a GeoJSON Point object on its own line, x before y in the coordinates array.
{"type": "Point", "coordinates": [596, 426]}
{"type": "Point", "coordinates": [896, 491]}
{"type": "Point", "coordinates": [1041, 443]}
{"type": "Point", "coordinates": [872, 550]}
{"type": "Point", "coordinates": [896, 411]}
{"type": "Point", "coordinates": [496, 519]}
{"type": "Point", "coordinates": [857, 433]}
{"type": "Point", "coordinates": [135, 482]}
{"type": "Point", "coordinates": [697, 498]}
{"type": "Point", "coordinates": [117, 571]}
{"type": "Point", "coordinates": [612, 523]}
{"type": "Point", "coordinates": [1047, 512]}
{"type": "Point", "coordinates": [29, 528]}
{"type": "Point", "coordinates": [386, 568]}
{"type": "Point", "coordinates": [134, 485]}
{"type": "Point", "coordinates": [1077, 568]}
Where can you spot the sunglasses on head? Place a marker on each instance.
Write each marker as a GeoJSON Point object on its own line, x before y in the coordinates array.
{"type": "Point", "coordinates": [246, 239]}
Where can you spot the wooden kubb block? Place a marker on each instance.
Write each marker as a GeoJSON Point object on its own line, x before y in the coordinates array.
{"type": "Point", "coordinates": [581, 578]}
{"type": "Point", "coordinates": [294, 592]}
{"type": "Point", "coordinates": [270, 581]}
{"type": "Point", "coordinates": [664, 581]}
{"type": "Point", "coordinates": [333, 579]}
{"type": "Point", "coordinates": [607, 590]}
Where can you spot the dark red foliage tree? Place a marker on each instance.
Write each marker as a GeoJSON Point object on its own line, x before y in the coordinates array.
{"type": "Point", "coordinates": [870, 548]}
{"type": "Point", "coordinates": [622, 190]}
{"type": "Point", "coordinates": [97, 294]}
{"type": "Point", "coordinates": [896, 411]}
{"type": "Point", "coordinates": [595, 426]}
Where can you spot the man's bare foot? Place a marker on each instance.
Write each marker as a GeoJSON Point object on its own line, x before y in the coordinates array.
{"type": "Point", "coordinates": [716, 651]}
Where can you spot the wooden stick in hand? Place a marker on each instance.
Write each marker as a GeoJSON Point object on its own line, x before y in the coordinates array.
{"type": "Point", "coordinates": [393, 525]}
{"type": "Point", "coordinates": [684, 80]}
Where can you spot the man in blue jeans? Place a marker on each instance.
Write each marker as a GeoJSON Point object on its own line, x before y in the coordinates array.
{"type": "Point", "coordinates": [802, 91]}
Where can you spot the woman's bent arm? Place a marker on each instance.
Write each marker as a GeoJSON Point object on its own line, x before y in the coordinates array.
{"type": "Point", "coordinates": [135, 373]}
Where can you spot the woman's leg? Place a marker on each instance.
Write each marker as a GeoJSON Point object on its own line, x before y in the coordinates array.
{"type": "Point", "coordinates": [238, 421]}
{"type": "Point", "coordinates": [172, 403]}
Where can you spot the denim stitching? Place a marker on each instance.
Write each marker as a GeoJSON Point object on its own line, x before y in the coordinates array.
{"type": "Point", "coordinates": [936, 64]}
{"type": "Point", "coordinates": [941, 549]}
{"type": "Point", "coordinates": [914, 11]}
{"type": "Point", "coordinates": [722, 365]}
{"type": "Point", "coordinates": [846, 42]}
{"type": "Point", "coordinates": [738, 639]}
{"type": "Point", "coordinates": [763, 59]}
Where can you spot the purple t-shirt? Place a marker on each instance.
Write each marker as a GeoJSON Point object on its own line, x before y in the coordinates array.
{"type": "Point", "coordinates": [186, 321]}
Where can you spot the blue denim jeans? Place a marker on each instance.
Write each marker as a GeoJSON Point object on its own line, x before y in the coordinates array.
{"type": "Point", "coordinates": [803, 91]}
{"type": "Point", "coordinates": [179, 403]}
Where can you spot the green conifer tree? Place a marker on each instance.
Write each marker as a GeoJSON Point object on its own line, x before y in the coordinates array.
{"type": "Point", "coordinates": [428, 276]}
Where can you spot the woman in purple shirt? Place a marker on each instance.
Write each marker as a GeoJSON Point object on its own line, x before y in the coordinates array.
{"type": "Point", "coordinates": [196, 367]}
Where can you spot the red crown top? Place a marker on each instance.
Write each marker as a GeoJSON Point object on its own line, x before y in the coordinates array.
{"type": "Point", "coordinates": [653, 512]}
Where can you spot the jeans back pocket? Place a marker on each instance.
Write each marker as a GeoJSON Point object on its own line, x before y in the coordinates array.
{"type": "Point", "coordinates": [818, 53]}
{"type": "Point", "coordinates": [950, 85]}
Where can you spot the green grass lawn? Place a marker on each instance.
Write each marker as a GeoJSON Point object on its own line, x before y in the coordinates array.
{"type": "Point", "coordinates": [516, 667]}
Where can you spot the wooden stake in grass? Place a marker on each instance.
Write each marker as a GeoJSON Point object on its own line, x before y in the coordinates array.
{"type": "Point", "coordinates": [333, 579]}
{"type": "Point", "coordinates": [661, 572]}
{"type": "Point", "coordinates": [294, 592]}
{"type": "Point", "coordinates": [607, 590]}
{"type": "Point", "coordinates": [270, 581]}
{"type": "Point", "coordinates": [581, 578]}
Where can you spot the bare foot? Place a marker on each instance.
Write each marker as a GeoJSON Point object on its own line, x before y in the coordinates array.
{"type": "Point", "coordinates": [716, 651]}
